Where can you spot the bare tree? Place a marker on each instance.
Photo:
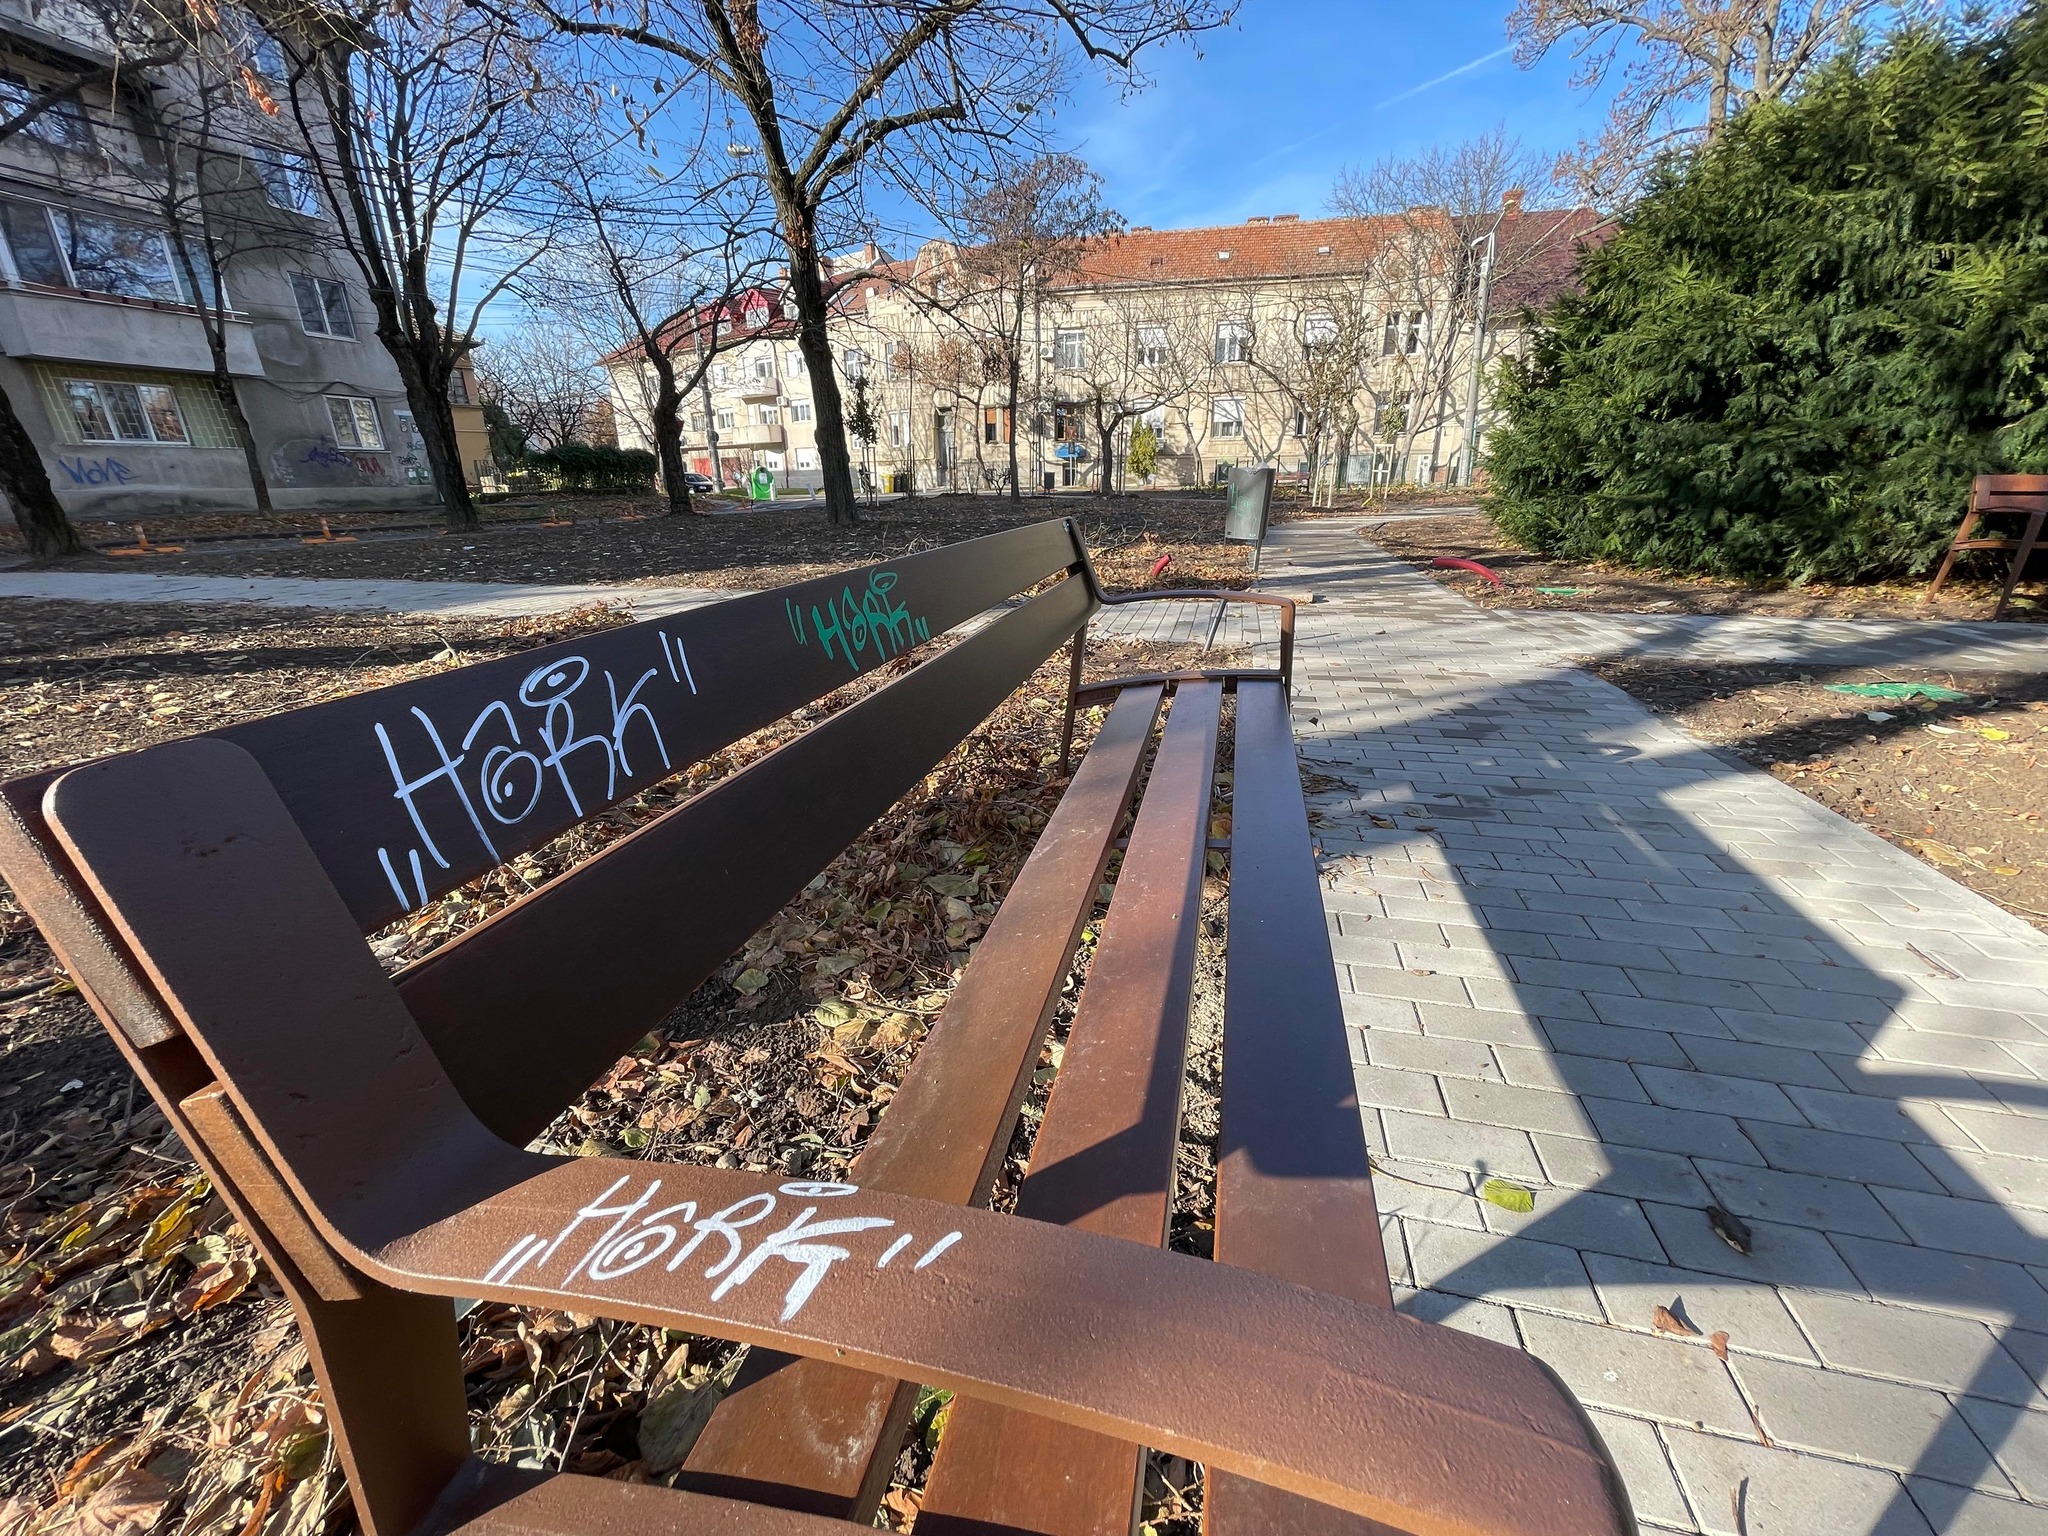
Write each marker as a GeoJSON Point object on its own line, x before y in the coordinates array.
{"type": "Point", "coordinates": [1686, 66]}
{"type": "Point", "coordinates": [1449, 228]}
{"type": "Point", "coordinates": [424, 118]}
{"type": "Point", "coordinates": [918, 92]}
{"type": "Point", "coordinates": [1135, 347]}
{"type": "Point", "coordinates": [1313, 350]}
{"type": "Point", "coordinates": [657, 266]}
{"type": "Point", "coordinates": [542, 377]}
{"type": "Point", "coordinates": [1025, 233]}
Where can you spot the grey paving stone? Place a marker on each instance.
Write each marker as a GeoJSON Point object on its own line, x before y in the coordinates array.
{"type": "Point", "coordinates": [1957, 1511]}
{"type": "Point", "coordinates": [1855, 1114]}
{"type": "Point", "coordinates": [1388, 1088]}
{"type": "Point", "coordinates": [1834, 1154]}
{"type": "Point", "coordinates": [1991, 1289]}
{"type": "Point", "coordinates": [1426, 1192]}
{"type": "Point", "coordinates": [1526, 1109]}
{"type": "Point", "coordinates": [1614, 1043]}
{"type": "Point", "coordinates": [1801, 1034]}
{"type": "Point", "coordinates": [1591, 1221]}
{"type": "Point", "coordinates": [1779, 1254]}
{"type": "Point", "coordinates": [1787, 1493]}
{"type": "Point", "coordinates": [1685, 1132]}
{"type": "Point", "coordinates": [1929, 1349]}
{"type": "Point", "coordinates": [1384, 981]}
{"type": "Point", "coordinates": [2018, 1439]}
{"type": "Point", "coordinates": [1645, 1470]}
{"type": "Point", "coordinates": [1909, 1429]}
{"type": "Point", "coordinates": [1432, 1053]}
{"type": "Point", "coordinates": [1563, 1072]}
{"type": "Point", "coordinates": [2030, 1349]}
{"type": "Point", "coordinates": [1970, 1226]}
{"type": "Point", "coordinates": [1519, 1271]}
{"type": "Point", "coordinates": [1802, 1199]}
{"type": "Point", "coordinates": [1634, 1172]}
{"type": "Point", "coordinates": [1652, 1376]}
{"type": "Point", "coordinates": [1681, 1018]}
{"type": "Point", "coordinates": [1989, 1176]}
{"type": "Point", "coordinates": [1763, 1063]}
{"type": "Point", "coordinates": [1483, 1318]}
{"type": "Point", "coordinates": [1753, 1316]}
{"type": "Point", "coordinates": [1713, 1093]}
{"type": "Point", "coordinates": [2000, 1130]}
{"type": "Point", "coordinates": [1489, 1026]}
{"type": "Point", "coordinates": [1460, 1144]}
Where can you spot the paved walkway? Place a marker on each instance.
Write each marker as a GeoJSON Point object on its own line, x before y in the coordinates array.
{"type": "Point", "coordinates": [1586, 953]}
{"type": "Point", "coordinates": [1823, 642]}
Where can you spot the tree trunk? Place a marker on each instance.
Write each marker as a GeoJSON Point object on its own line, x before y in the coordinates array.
{"type": "Point", "coordinates": [1108, 436]}
{"type": "Point", "coordinates": [37, 512]}
{"type": "Point", "coordinates": [668, 441]}
{"type": "Point", "coordinates": [807, 289]}
{"type": "Point", "coordinates": [444, 463]}
{"type": "Point", "coordinates": [238, 420]}
{"type": "Point", "coordinates": [1016, 386]}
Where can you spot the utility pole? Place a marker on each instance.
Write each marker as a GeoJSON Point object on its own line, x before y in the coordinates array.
{"type": "Point", "coordinates": [1478, 354]}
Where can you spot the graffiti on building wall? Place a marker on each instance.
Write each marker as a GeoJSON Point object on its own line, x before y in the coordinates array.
{"type": "Point", "coordinates": [84, 471]}
{"type": "Point", "coordinates": [320, 461]}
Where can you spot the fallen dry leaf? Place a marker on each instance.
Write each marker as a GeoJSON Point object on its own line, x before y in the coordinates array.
{"type": "Point", "coordinates": [1664, 1320]}
{"type": "Point", "coordinates": [128, 1505]}
{"type": "Point", "coordinates": [1718, 1342]}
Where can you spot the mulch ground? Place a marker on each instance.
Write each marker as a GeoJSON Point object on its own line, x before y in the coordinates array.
{"type": "Point", "coordinates": [1614, 589]}
{"type": "Point", "coordinates": [1961, 783]}
{"type": "Point", "coordinates": [630, 539]}
{"type": "Point", "coordinates": [151, 1378]}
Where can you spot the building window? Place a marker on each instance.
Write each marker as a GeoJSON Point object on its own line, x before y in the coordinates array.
{"type": "Point", "coordinates": [896, 360]}
{"type": "Point", "coordinates": [899, 429]}
{"type": "Point", "coordinates": [1403, 333]}
{"type": "Point", "coordinates": [458, 388]}
{"type": "Point", "coordinates": [1069, 348]}
{"type": "Point", "coordinates": [1155, 418]}
{"type": "Point", "coordinates": [768, 415]}
{"type": "Point", "coordinates": [807, 458]}
{"type": "Point", "coordinates": [793, 364]}
{"type": "Point", "coordinates": [721, 375]}
{"type": "Point", "coordinates": [1233, 341]}
{"type": "Point", "coordinates": [1151, 343]}
{"type": "Point", "coordinates": [263, 51]}
{"type": "Point", "coordinates": [725, 421]}
{"type": "Point", "coordinates": [995, 425]}
{"type": "Point", "coordinates": [1300, 422]}
{"type": "Point", "coordinates": [355, 421]}
{"type": "Point", "coordinates": [61, 125]}
{"type": "Point", "coordinates": [323, 306]}
{"type": "Point", "coordinates": [761, 369]}
{"type": "Point", "coordinates": [799, 410]}
{"type": "Point", "coordinates": [757, 316]}
{"type": "Point", "coordinates": [1226, 416]}
{"type": "Point", "coordinates": [288, 181]}
{"type": "Point", "coordinates": [124, 413]}
{"type": "Point", "coordinates": [854, 363]}
{"type": "Point", "coordinates": [1319, 330]}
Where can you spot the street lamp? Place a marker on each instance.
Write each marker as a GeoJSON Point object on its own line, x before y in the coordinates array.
{"type": "Point", "coordinates": [1478, 353]}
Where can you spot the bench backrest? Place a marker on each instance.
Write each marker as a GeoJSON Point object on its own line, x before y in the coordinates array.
{"type": "Point", "coordinates": [407, 792]}
{"type": "Point", "coordinates": [2009, 493]}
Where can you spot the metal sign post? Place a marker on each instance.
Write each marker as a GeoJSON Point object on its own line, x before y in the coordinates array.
{"type": "Point", "coordinates": [1249, 507]}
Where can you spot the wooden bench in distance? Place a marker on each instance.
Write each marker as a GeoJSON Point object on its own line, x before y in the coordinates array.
{"type": "Point", "coordinates": [211, 897]}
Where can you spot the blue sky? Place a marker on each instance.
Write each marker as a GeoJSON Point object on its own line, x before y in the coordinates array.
{"type": "Point", "coordinates": [1263, 118]}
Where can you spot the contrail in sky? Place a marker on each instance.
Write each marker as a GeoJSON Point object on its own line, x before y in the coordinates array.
{"type": "Point", "coordinates": [1462, 69]}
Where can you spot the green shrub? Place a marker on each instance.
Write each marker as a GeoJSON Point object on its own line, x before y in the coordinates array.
{"type": "Point", "coordinates": [578, 467]}
{"type": "Point", "coordinates": [1805, 340]}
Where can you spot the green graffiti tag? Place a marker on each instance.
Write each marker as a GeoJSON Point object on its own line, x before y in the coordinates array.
{"type": "Point", "coordinates": [855, 623]}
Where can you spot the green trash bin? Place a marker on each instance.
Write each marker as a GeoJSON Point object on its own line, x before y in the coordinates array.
{"type": "Point", "coordinates": [762, 486]}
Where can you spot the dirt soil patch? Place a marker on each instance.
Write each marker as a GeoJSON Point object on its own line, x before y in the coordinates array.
{"type": "Point", "coordinates": [630, 540]}
{"type": "Point", "coordinates": [1616, 589]}
{"type": "Point", "coordinates": [151, 1378]}
{"type": "Point", "coordinates": [1960, 783]}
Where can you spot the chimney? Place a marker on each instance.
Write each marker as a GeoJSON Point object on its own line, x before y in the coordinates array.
{"type": "Point", "coordinates": [1259, 218]}
{"type": "Point", "coordinates": [1511, 200]}
{"type": "Point", "coordinates": [1286, 218]}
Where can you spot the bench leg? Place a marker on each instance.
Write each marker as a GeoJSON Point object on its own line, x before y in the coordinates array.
{"type": "Point", "coordinates": [2028, 542]}
{"type": "Point", "coordinates": [1073, 698]}
{"type": "Point", "coordinates": [1948, 560]}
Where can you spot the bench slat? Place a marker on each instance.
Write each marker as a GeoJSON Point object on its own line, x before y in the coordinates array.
{"type": "Point", "coordinates": [1103, 1160]}
{"type": "Point", "coordinates": [1294, 1180]}
{"type": "Point", "coordinates": [496, 758]}
{"type": "Point", "coordinates": [532, 1005]}
{"type": "Point", "coordinates": [805, 1433]}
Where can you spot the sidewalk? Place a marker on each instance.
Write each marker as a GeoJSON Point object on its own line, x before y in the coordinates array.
{"type": "Point", "coordinates": [1588, 954]}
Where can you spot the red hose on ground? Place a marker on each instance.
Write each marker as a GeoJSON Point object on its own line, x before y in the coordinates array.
{"type": "Point", "coordinates": [1454, 562]}
{"type": "Point", "coordinates": [1160, 564]}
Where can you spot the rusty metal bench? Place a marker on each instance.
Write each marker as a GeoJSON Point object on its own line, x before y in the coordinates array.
{"type": "Point", "coordinates": [212, 896]}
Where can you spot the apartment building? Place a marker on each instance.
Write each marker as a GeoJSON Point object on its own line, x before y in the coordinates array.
{"type": "Point", "coordinates": [1342, 349]}
{"type": "Point", "coordinates": [105, 320]}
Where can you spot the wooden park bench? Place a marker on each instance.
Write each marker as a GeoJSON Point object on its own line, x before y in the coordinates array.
{"type": "Point", "coordinates": [211, 897]}
{"type": "Point", "coordinates": [2021, 496]}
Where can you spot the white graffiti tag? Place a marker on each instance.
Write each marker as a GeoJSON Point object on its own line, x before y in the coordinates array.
{"type": "Point", "coordinates": [641, 1233]}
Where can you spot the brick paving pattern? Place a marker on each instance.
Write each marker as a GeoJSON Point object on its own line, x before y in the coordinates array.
{"type": "Point", "coordinates": [1586, 953]}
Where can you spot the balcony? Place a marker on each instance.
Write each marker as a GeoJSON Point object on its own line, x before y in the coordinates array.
{"type": "Point", "coordinates": [758, 389]}
{"type": "Point", "coordinates": [749, 435]}
{"type": "Point", "coordinates": [93, 328]}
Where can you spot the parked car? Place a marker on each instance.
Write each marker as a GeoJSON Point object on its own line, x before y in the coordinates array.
{"type": "Point", "coordinates": [698, 485]}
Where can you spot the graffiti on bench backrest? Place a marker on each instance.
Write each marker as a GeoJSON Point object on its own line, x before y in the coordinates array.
{"type": "Point", "coordinates": [851, 622]}
{"type": "Point", "coordinates": [506, 781]}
